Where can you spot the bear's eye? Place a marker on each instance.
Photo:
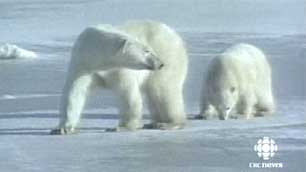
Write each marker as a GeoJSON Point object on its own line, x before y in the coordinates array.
{"type": "Point", "coordinates": [147, 52]}
{"type": "Point", "coordinates": [233, 89]}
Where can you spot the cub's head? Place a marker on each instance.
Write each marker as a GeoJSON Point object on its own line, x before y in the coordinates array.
{"type": "Point", "coordinates": [228, 101]}
{"type": "Point", "coordinates": [136, 55]}
{"type": "Point", "coordinates": [223, 92]}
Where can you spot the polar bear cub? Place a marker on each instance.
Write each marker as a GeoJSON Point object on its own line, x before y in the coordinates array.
{"type": "Point", "coordinates": [99, 49]}
{"type": "Point", "coordinates": [238, 82]}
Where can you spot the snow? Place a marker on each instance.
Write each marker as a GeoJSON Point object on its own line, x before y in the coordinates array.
{"type": "Point", "coordinates": [9, 51]}
{"type": "Point", "coordinates": [202, 146]}
{"type": "Point", "coordinates": [30, 90]}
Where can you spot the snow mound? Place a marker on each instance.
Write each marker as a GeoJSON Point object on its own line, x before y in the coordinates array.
{"type": "Point", "coordinates": [10, 51]}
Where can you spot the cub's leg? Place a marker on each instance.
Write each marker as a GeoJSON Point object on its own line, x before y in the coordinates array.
{"type": "Point", "coordinates": [265, 105]}
{"type": "Point", "coordinates": [248, 102]}
{"type": "Point", "coordinates": [208, 111]}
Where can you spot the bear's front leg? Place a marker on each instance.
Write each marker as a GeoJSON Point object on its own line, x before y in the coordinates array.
{"type": "Point", "coordinates": [248, 104]}
{"type": "Point", "coordinates": [207, 112]}
{"type": "Point", "coordinates": [72, 104]}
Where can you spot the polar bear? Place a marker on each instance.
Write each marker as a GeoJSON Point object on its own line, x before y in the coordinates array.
{"type": "Point", "coordinates": [99, 49]}
{"type": "Point", "coordinates": [238, 82]}
{"type": "Point", "coordinates": [163, 89]}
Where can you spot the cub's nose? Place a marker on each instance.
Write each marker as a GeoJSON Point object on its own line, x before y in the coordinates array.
{"type": "Point", "coordinates": [155, 64]}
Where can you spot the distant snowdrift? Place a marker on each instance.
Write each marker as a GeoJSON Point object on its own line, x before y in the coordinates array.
{"type": "Point", "coordinates": [10, 51]}
{"type": "Point", "coordinates": [26, 96]}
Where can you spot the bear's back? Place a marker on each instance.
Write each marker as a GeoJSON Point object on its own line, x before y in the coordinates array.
{"type": "Point", "coordinates": [102, 32]}
{"type": "Point", "coordinates": [241, 57]}
{"type": "Point", "coordinates": [97, 43]}
{"type": "Point", "coordinates": [244, 53]}
{"type": "Point", "coordinates": [147, 31]}
{"type": "Point", "coordinates": [245, 62]}
{"type": "Point", "coordinates": [166, 43]}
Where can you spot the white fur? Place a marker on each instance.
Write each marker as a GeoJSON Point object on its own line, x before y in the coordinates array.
{"type": "Point", "coordinates": [163, 88]}
{"type": "Point", "coordinates": [99, 49]}
{"type": "Point", "coordinates": [238, 81]}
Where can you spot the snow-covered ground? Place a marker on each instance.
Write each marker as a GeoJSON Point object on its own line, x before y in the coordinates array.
{"type": "Point", "coordinates": [30, 90]}
{"type": "Point", "coordinates": [9, 51]}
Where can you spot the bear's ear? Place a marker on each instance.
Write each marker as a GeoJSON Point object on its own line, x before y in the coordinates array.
{"type": "Point", "coordinates": [123, 45]}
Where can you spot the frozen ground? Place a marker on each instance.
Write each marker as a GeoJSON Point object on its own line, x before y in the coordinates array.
{"type": "Point", "coordinates": [30, 91]}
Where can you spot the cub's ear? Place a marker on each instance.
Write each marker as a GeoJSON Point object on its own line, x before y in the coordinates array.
{"type": "Point", "coordinates": [123, 45]}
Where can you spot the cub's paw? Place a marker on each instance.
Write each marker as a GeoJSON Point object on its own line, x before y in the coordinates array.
{"type": "Point", "coordinates": [207, 114]}
{"type": "Point", "coordinates": [121, 129]}
{"type": "Point", "coordinates": [115, 129]}
{"type": "Point", "coordinates": [149, 126]}
{"type": "Point", "coordinates": [164, 126]}
{"type": "Point", "coordinates": [200, 117]}
{"type": "Point", "coordinates": [234, 117]}
{"type": "Point", "coordinates": [262, 113]}
{"type": "Point", "coordinates": [63, 131]}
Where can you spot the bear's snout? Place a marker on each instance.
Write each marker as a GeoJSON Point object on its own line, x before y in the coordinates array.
{"type": "Point", "coordinates": [155, 64]}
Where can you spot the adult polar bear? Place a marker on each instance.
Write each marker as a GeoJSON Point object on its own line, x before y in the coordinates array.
{"type": "Point", "coordinates": [98, 49]}
{"type": "Point", "coordinates": [238, 81]}
{"type": "Point", "coordinates": [163, 88]}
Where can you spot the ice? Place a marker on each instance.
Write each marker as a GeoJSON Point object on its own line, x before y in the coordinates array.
{"type": "Point", "coordinates": [10, 51]}
{"type": "Point", "coordinates": [30, 90]}
{"type": "Point", "coordinates": [26, 96]}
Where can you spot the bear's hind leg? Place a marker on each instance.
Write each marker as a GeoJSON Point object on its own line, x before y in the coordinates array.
{"type": "Point", "coordinates": [264, 108]}
{"type": "Point", "coordinates": [154, 110]}
{"type": "Point", "coordinates": [73, 101]}
{"type": "Point", "coordinates": [130, 108]}
{"type": "Point", "coordinates": [168, 111]}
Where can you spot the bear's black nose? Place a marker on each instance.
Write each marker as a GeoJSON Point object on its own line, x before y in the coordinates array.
{"type": "Point", "coordinates": [161, 66]}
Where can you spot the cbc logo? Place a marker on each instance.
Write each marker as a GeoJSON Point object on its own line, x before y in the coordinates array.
{"type": "Point", "coordinates": [265, 148]}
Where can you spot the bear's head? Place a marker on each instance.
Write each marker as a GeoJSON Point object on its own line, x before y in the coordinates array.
{"type": "Point", "coordinates": [136, 55]}
{"type": "Point", "coordinates": [228, 100]}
